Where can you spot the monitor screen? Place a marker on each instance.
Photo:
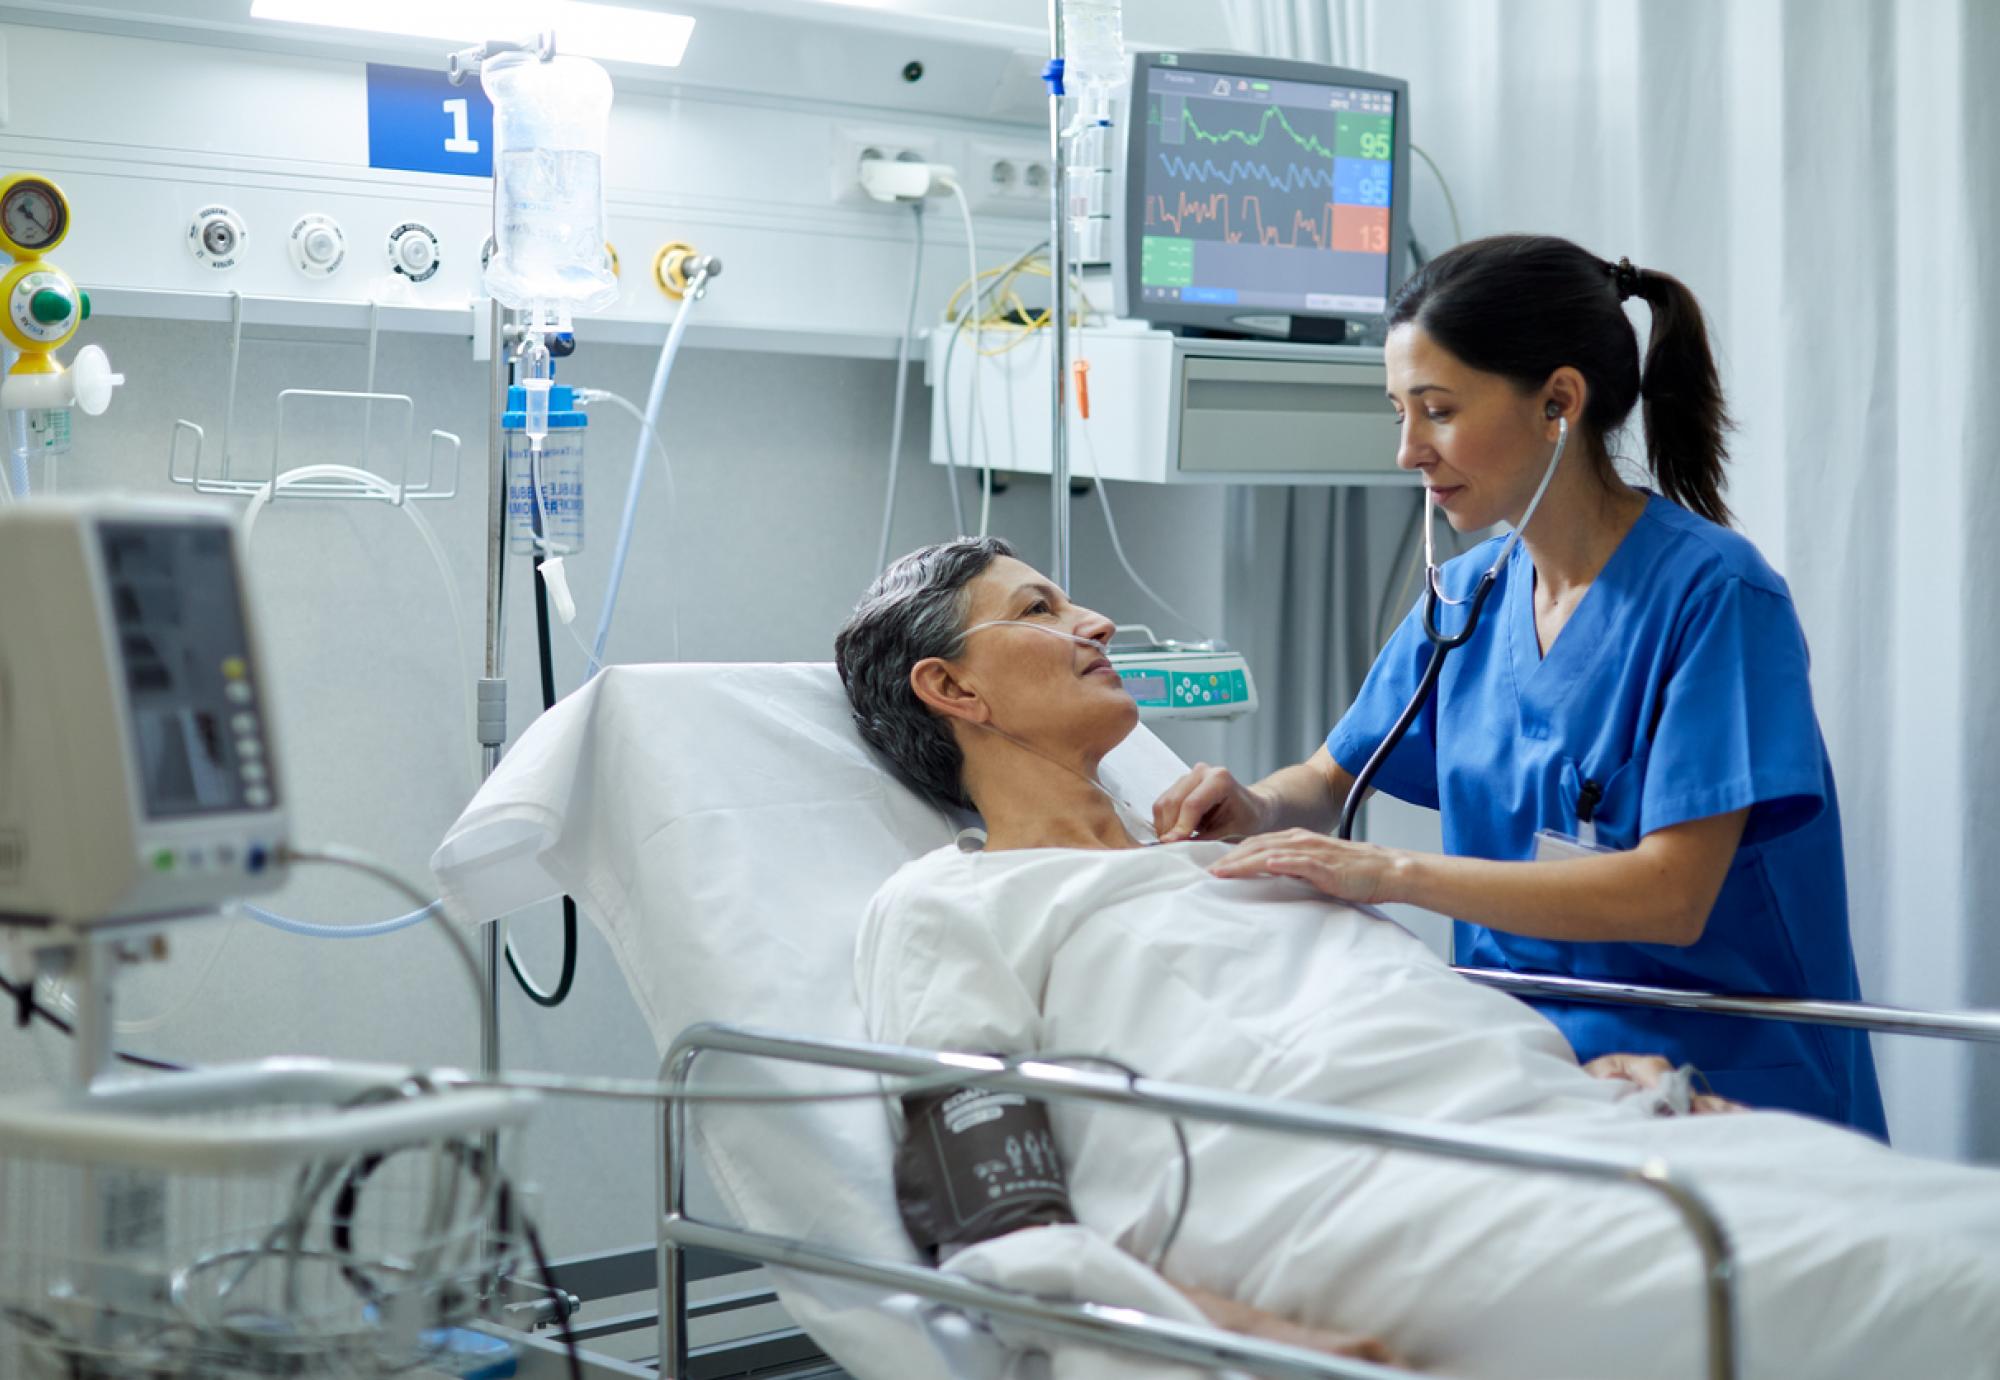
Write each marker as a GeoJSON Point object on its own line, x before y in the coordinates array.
{"type": "Point", "coordinates": [176, 603]}
{"type": "Point", "coordinates": [1260, 194]}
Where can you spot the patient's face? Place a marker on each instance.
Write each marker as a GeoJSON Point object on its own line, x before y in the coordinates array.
{"type": "Point", "coordinates": [1061, 694]}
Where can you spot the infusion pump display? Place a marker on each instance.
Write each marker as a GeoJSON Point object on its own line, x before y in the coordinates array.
{"type": "Point", "coordinates": [196, 722]}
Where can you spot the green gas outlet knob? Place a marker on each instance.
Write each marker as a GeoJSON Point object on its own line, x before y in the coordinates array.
{"type": "Point", "coordinates": [50, 306]}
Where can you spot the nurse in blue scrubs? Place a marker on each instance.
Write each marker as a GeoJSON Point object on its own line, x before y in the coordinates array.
{"type": "Point", "coordinates": [1630, 774]}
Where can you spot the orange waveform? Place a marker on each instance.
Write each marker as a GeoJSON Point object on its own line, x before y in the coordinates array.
{"type": "Point", "coordinates": [1219, 207]}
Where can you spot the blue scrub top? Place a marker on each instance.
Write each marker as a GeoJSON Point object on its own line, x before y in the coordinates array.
{"type": "Point", "coordinates": [1680, 686]}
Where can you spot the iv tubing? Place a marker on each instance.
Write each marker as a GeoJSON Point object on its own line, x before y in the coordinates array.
{"type": "Point", "coordinates": [647, 433]}
{"type": "Point", "coordinates": [661, 373]}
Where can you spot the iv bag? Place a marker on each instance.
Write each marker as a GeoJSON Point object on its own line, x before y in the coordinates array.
{"type": "Point", "coordinates": [549, 125]}
{"type": "Point", "coordinates": [1093, 50]}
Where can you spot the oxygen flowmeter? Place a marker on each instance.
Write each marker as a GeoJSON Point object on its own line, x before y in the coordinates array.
{"type": "Point", "coordinates": [42, 309]}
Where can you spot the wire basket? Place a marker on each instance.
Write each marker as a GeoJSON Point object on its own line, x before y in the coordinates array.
{"type": "Point", "coordinates": [288, 1218]}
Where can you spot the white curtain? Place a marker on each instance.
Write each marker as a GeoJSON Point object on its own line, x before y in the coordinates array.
{"type": "Point", "coordinates": [1823, 174]}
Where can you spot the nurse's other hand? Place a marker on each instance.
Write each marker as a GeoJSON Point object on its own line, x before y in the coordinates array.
{"type": "Point", "coordinates": [1358, 872]}
{"type": "Point", "coordinates": [1646, 1070]}
{"type": "Point", "coordinates": [1212, 803]}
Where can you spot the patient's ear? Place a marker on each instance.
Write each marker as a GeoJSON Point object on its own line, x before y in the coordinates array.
{"type": "Point", "coordinates": [940, 688]}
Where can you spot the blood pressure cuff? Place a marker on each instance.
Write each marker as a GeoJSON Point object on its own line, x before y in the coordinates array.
{"type": "Point", "coordinates": [975, 1164]}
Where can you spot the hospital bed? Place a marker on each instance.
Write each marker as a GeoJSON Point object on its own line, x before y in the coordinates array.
{"type": "Point", "coordinates": [725, 828]}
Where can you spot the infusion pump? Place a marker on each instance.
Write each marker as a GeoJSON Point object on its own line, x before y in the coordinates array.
{"type": "Point", "coordinates": [137, 777]}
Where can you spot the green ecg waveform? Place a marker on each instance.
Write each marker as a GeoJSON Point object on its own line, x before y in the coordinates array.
{"type": "Point", "coordinates": [1306, 142]}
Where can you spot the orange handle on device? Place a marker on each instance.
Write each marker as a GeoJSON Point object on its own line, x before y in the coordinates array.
{"type": "Point", "coordinates": [1081, 369]}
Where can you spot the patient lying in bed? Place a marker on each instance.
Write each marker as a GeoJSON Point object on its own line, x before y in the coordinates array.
{"type": "Point", "coordinates": [1065, 933]}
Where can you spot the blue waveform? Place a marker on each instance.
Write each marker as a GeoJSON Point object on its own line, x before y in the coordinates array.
{"type": "Point", "coordinates": [1205, 170]}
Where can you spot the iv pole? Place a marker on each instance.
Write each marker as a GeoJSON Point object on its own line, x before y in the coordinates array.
{"type": "Point", "coordinates": [1059, 306]}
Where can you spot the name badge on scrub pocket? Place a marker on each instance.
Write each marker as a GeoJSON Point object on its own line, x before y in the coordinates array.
{"type": "Point", "coordinates": [1552, 845]}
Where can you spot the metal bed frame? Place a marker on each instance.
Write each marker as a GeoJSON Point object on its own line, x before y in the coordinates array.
{"type": "Point", "coordinates": [689, 1249]}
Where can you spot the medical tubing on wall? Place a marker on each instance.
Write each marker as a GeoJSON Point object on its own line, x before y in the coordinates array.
{"type": "Point", "coordinates": [641, 451]}
{"type": "Point", "coordinates": [378, 487]}
{"type": "Point", "coordinates": [648, 435]}
{"type": "Point", "coordinates": [902, 387]}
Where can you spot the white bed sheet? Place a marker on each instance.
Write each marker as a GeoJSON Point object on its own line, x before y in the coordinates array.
{"type": "Point", "coordinates": [699, 813]}
{"type": "Point", "coordinates": [1854, 1262]}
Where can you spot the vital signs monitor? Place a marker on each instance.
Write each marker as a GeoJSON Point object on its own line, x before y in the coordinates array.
{"type": "Point", "coordinates": [137, 777]}
{"type": "Point", "coordinates": [1262, 197]}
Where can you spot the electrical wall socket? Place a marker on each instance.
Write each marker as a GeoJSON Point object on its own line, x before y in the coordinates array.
{"type": "Point", "coordinates": [852, 146]}
{"type": "Point", "coordinates": [1007, 178]}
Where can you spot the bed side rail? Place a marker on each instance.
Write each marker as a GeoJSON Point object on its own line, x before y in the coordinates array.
{"type": "Point", "coordinates": [1121, 1327]}
{"type": "Point", "coordinates": [1976, 1026]}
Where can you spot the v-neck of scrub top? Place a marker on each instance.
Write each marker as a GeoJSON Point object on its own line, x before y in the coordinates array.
{"type": "Point", "coordinates": [1542, 681]}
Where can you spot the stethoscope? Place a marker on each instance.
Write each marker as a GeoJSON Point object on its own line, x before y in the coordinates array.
{"type": "Point", "coordinates": [1442, 644]}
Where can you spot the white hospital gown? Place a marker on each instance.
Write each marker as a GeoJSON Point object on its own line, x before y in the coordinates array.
{"type": "Point", "coordinates": [1854, 1261]}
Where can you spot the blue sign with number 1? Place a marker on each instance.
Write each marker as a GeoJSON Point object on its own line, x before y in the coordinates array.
{"type": "Point", "coordinates": [419, 122]}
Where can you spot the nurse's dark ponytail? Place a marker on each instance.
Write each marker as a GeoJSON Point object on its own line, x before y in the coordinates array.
{"type": "Point", "coordinates": [1683, 408]}
{"type": "Point", "coordinates": [1523, 306]}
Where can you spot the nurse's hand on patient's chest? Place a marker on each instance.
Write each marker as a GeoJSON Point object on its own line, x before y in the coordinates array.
{"type": "Point", "coordinates": [1209, 802]}
{"type": "Point", "coordinates": [1346, 871]}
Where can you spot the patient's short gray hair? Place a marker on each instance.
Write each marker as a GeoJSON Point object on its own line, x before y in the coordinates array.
{"type": "Point", "coordinates": [915, 609]}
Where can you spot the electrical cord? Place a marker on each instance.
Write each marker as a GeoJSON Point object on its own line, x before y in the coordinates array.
{"type": "Point", "coordinates": [1450, 204]}
{"type": "Point", "coordinates": [548, 1275]}
{"type": "Point", "coordinates": [975, 435]}
{"type": "Point", "coordinates": [902, 386]}
{"type": "Point", "coordinates": [1000, 287]}
{"type": "Point", "coordinates": [26, 1009]}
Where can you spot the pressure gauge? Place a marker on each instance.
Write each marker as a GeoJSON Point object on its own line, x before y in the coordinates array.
{"type": "Point", "coordinates": [34, 216]}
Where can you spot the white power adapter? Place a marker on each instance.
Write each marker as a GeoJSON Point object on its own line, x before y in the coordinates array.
{"type": "Point", "coordinates": [892, 179]}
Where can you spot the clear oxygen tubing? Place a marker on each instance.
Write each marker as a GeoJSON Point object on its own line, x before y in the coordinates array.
{"type": "Point", "coordinates": [1111, 526]}
{"type": "Point", "coordinates": [17, 435]}
{"type": "Point", "coordinates": [1130, 811]}
{"type": "Point", "coordinates": [902, 386]}
{"type": "Point", "coordinates": [1442, 643]}
{"type": "Point", "coordinates": [662, 371]}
